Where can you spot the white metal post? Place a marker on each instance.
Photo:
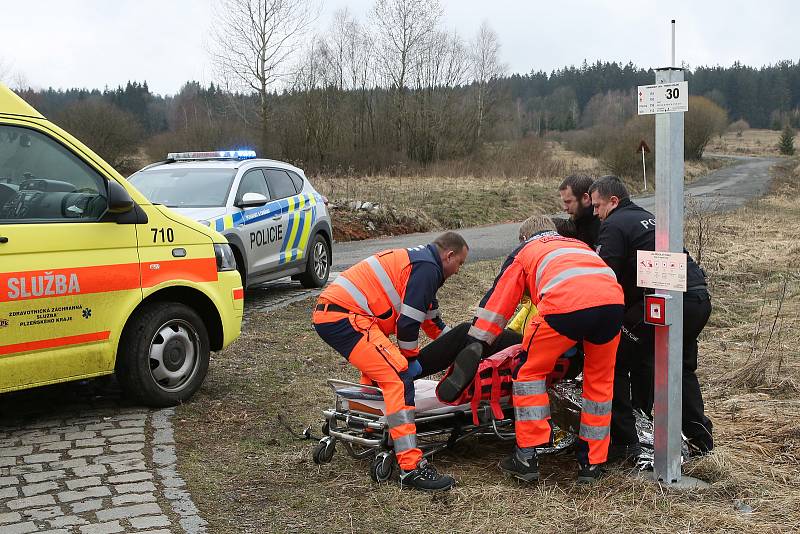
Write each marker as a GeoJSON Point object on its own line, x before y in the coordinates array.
{"type": "Point", "coordinates": [669, 339]}
{"type": "Point", "coordinates": [673, 45]}
{"type": "Point", "coordinates": [644, 170]}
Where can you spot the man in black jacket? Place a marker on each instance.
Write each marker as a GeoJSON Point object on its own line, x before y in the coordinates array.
{"type": "Point", "coordinates": [626, 228]}
{"type": "Point", "coordinates": [574, 193]}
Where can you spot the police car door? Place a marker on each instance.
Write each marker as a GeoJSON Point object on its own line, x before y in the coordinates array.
{"type": "Point", "coordinates": [259, 237]}
{"type": "Point", "coordinates": [68, 270]}
{"type": "Point", "coordinates": [296, 215]}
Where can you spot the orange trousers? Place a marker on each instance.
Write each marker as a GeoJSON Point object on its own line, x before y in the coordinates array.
{"type": "Point", "coordinates": [532, 404]}
{"type": "Point", "coordinates": [380, 361]}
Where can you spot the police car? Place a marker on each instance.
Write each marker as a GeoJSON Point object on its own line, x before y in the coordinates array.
{"type": "Point", "coordinates": [95, 279]}
{"type": "Point", "coordinates": [276, 222]}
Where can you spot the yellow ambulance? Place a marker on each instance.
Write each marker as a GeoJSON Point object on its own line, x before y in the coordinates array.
{"type": "Point", "coordinates": [94, 279]}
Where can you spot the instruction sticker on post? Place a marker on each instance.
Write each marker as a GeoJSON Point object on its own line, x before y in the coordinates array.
{"type": "Point", "coordinates": [663, 98]}
{"type": "Point", "coordinates": [661, 270]}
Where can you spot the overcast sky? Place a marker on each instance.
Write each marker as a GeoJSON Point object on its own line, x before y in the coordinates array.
{"type": "Point", "coordinates": [99, 43]}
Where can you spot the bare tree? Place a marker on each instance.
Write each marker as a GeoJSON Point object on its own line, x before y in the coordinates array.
{"type": "Point", "coordinates": [486, 68]}
{"type": "Point", "coordinates": [5, 72]}
{"type": "Point", "coordinates": [352, 65]}
{"type": "Point", "coordinates": [401, 29]}
{"type": "Point", "coordinates": [110, 131]}
{"type": "Point", "coordinates": [15, 80]}
{"type": "Point", "coordinates": [316, 88]}
{"type": "Point", "coordinates": [253, 41]}
{"type": "Point", "coordinates": [440, 66]}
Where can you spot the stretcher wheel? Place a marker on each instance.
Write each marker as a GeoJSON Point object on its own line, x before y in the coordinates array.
{"type": "Point", "coordinates": [323, 452]}
{"type": "Point", "coordinates": [381, 467]}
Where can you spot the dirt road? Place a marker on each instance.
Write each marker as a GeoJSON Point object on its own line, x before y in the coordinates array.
{"type": "Point", "coordinates": [721, 190]}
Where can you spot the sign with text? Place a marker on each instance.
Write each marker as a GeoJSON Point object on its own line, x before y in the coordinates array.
{"type": "Point", "coordinates": [663, 98]}
{"type": "Point", "coordinates": [661, 270]}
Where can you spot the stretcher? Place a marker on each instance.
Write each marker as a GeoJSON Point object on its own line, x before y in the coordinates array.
{"type": "Point", "coordinates": [358, 422]}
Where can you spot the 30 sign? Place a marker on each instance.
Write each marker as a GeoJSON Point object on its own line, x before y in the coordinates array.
{"type": "Point", "coordinates": [663, 98]}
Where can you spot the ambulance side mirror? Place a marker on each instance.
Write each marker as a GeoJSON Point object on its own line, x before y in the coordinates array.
{"type": "Point", "coordinates": [250, 200]}
{"type": "Point", "coordinates": [119, 201]}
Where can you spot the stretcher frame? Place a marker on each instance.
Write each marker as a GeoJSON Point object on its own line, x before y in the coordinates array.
{"type": "Point", "coordinates": [350, 422]}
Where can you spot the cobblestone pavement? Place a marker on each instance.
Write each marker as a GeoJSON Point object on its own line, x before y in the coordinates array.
{"type": "Point", "coordinates": [77, 459]}
{"type": "Point", "coordinates": [91, 471]}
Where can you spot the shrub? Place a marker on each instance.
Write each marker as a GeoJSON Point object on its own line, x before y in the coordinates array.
{"type": "Point", "coordinates": [786, 142]}
{"type": "Point", "coordinates": [620, 155]}
{"type": "Point", "coordinates": [738, 127]}
{"type": "Point", "coordinates": [704, 120]}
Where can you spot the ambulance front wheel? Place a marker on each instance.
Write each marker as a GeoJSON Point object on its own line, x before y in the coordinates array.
{"type": "Point", "coordinates": [318, 265]}
{"type": "Point", "coordinates": [163, 354]}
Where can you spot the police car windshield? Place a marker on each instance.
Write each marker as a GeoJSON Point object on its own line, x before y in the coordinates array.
{"type": "Point", "coordinates": [185, 188]}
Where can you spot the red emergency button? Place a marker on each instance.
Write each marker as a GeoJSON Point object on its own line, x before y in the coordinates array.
{"type": "Point", "coordinates": [655, 309]}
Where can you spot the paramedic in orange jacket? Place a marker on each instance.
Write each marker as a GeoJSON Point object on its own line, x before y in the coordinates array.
{"type": "Point", "coordinates": [392, 293]}
{"type": "Point", "coordinates": [578, 299]}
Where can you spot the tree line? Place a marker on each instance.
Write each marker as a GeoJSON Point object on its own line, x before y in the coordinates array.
{"type": "Point", "coordinates": [394, 91]}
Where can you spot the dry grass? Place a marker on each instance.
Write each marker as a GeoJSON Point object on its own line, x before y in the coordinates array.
{"type": "Point", "coordinates": [446, 196]}
{"type": "Point", "coordinates": [756, 334]}
{"type": "Point", "coordinates": [494, 186]}
{"type": "Point", "coordinates": [753, 142]}
{"type": "Point", "coordinates": [574, 162]}
{"type": "Point", "coordinates": [248, 474]}
{"type": "Point", "coordinates": [449, 202]}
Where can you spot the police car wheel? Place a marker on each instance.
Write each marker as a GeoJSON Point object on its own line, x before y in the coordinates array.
{"type": "Point", "coordinates": [163, 355]}
{"type": "Point", "coordinates": [318, 266]}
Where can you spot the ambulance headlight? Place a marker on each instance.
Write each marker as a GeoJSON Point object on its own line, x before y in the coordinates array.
{"type": "Point", "coordinates": [226, 261]}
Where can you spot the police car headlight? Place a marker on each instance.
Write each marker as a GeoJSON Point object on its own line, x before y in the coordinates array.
{"type": "Point", "coordinates": [226, 261]}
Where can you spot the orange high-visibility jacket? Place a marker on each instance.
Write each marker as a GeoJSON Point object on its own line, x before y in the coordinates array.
{"type": "Point", "coordinates": [398, 287]}
{"type": "Point", "coordinates": [560, 274]}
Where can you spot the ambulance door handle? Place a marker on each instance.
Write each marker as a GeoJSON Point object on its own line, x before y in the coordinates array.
{"type": "Point", "coordinates": [307, 208]}
{"type": "Point", "coordinates": [3, 239]}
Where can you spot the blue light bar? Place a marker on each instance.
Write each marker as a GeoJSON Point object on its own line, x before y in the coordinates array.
{"type": "Point", "coordinates": [216, 154]}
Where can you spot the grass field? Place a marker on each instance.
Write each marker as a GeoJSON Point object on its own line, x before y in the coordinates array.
{"type": "Point", "coordinates": [247, 473]}
{"type": "Point", "coordinates": [753, 142]}
{"type": "Point", "coordinates": [447, 200]}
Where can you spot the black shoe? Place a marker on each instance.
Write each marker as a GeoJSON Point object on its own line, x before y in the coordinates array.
{"type": "Point", "coordinates": [464, 368]}
{"type": "Point", "coordinates": [521, 468]}
{"type": "Point", "coordinates": [624, 453]}
{"type": "Point", "coordinates": [426, 478]}
{"type": "Point", "coordinates": [589, 473]}
{"type": "Point", "coordinates": [699, 447]}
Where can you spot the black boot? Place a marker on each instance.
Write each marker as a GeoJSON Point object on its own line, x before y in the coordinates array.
{"type": "Point", "coordinates": [589, 473]}
{"type": "Point", "coordinates": [624, 452]}
{"type": "Point", "coordinates": [521, 466]}
{"type": "Point", "coordinates": [464, 368]}
{"type": "Point", "coordinates": [426, 478]}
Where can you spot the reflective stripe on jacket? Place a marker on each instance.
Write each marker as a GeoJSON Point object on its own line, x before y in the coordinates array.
{"type": "Point", "coordinates": [560, 274]}
{"type": "Point", "coordinates": [397, 287]}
